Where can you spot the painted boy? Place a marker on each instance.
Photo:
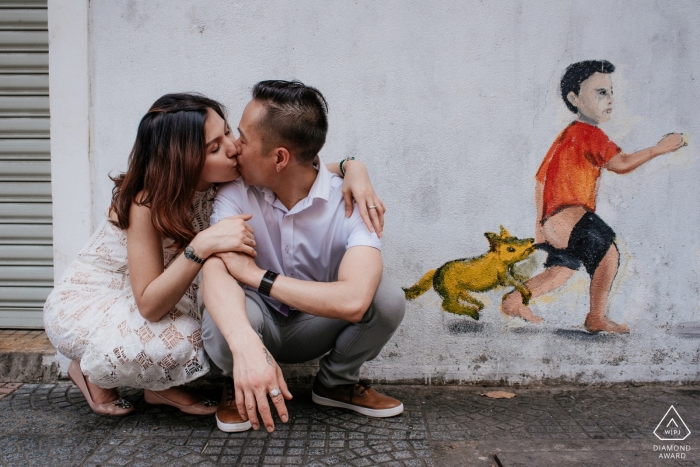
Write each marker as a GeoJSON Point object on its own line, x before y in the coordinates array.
{"type": "Point", "coordinates": [565, 196]}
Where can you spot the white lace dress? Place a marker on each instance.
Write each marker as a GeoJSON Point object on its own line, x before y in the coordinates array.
{"type": "Point", "coordinates": [91, 316]}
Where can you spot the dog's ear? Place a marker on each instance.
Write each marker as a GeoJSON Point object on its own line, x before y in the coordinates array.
{"type": "Point", "coordinates": [493, 239]}
{"type": "Point", "coordinates": [504, 233]}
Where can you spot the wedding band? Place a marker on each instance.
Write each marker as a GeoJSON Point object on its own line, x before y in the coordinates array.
{"type": "Point", "coordinates": [372, 207]}
{"type": "Point", "coordinates": [275, 393]}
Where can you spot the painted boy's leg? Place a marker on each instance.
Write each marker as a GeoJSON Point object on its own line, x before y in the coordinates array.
{"type": "Point", "coordinates": [601, 282]}
{"type": "Point", "coordinates": [547, 281]}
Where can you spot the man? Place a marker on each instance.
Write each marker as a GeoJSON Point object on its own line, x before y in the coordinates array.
{"type": "Point", "coordinates": [315, 286]}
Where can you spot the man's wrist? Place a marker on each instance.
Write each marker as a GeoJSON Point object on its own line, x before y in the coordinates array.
{"type": "Point", "coordinates": [241, 340]}
{"type": "Point", "coordinates": [254, 277]}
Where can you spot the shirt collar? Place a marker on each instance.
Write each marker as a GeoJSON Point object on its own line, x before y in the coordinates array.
{"type": "Point", "coordinates": [321, 189]}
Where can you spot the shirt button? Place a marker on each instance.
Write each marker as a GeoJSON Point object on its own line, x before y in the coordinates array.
{"type": "Point", "coordinates": [286, 249]}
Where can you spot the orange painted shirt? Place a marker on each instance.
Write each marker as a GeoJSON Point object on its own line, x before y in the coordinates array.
{"type": "Point", "coordinates": [571, 168]}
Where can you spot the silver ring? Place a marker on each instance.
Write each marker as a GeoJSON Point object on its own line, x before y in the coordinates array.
{"type": "Point", "coordinates": [275, 393]}
{"type": "Point", "coordinates": [372, 207]}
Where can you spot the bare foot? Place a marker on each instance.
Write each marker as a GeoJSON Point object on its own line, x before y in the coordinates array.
{"type": "Point", "coordinates": [101, 395]}
{"type": "Point", "coordinates": [606, 324]}
{"type": "Point", "coordinates": [179, 396]}
{"type": "Point", "coordinates": [512, 305]}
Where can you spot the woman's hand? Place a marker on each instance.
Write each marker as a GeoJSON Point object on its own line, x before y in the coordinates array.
{"type": "Point", "coordinates": [358, 186]}
{"type": "Point", "coordinates": [229, 234]}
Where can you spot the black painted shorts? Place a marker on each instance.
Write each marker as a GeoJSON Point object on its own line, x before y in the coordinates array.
{"type": "Point", "coordinates": [590, 240]}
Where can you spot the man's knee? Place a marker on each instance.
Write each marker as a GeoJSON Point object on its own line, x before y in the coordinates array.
{"type": "Point", "coordinates": [388, 305]}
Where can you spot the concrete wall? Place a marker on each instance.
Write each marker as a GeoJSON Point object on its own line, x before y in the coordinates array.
{"type": "Point", "coordinates": [453, 105]}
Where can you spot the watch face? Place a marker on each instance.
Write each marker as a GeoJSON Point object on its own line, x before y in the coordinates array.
{"type": "Point", "coordinates": [189, 251]}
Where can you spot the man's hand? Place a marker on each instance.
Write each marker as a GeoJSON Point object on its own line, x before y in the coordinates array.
{"type": "Point", "coordinates": [255, 375]}
{"type": "Point", "coordinates": [242, 267]}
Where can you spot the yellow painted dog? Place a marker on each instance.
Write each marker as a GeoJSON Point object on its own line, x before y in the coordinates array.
{"type": "Point", "coordinates": [455, 279]}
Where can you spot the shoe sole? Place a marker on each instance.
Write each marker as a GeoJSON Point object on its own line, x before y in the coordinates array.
{"type": "Point", "coordinates": [233, 427]}
{"type": "Point", "coordinates": [378, 413]}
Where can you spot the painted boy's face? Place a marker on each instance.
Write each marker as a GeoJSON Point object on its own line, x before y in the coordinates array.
{"type": "Point", "coordinates": [595, 99]}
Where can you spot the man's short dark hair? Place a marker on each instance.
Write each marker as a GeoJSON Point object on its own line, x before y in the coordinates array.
{"type": "Point", "coordinates": [577, 73]}
{"type": "Point", "coordinates": [296, 116]}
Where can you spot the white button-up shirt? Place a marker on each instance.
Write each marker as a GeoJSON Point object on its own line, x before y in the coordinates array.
{"type": "Point", "coordinates": [306, 242]}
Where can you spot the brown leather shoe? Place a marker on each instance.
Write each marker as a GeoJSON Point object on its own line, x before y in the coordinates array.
{"type": "Point", "coordinates": [359, 397]}
{"type": "Point", "coordinates": [227, 417]}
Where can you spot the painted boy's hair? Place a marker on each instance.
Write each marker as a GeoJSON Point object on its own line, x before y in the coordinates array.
{"type": "Point", "coordinates": [577, 73]}
{"type": "Point", "coordinates": [296, 116]}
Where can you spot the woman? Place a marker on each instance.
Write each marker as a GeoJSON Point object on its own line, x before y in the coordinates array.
{"type": "Point", "coordinates": [127, 312]}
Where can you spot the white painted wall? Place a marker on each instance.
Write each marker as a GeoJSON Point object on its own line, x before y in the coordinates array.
{"type": "Point", "coordinates": [69, 98]}
{"type": "Point", "coordinates": [453, 105]}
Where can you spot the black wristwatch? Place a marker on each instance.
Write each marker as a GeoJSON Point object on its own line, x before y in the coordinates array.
{"type": "Point", "coordinates": [189, 254]}
{"type": "Point", "coordinates": [266, 282]}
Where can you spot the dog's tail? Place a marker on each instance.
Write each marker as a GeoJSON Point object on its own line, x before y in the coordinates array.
{"type": "Point", "coordinates": [420, 287]}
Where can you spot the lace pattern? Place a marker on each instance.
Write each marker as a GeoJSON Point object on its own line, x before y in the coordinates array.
{"type": "Point", "coordinates": [91, 316]}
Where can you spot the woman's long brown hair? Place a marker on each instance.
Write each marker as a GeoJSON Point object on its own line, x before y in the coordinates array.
{"type": "Point", "coordinates": [166, 163]}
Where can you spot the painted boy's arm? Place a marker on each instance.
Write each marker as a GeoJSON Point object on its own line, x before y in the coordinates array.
{"type": "Point", "coordinates": [348, 298]}
{"type": "Point", "coordinates": [623, 163]}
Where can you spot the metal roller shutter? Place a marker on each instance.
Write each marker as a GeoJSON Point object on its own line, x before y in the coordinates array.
{"type": "Point", "coordinates": [26, 244]}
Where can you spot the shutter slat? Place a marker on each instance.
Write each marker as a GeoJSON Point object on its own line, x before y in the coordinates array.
{"type": "Point", "coordinates": [18, 192]}
{"type": "Point", "coordinates": [23, 296]}
{"type": "Point", "coordinates": [25, 213]}
{"type": "Point", "coordinates": [24, 19]}
{"type": "Point", "coordinates": [17, 85]}
{"type": "Point", "coordinates": [24, 127]}
{"type": "Point", "coordinates": [27, 106]}
{"type": "Point", "coordinates": [30, 234]}
{"type": "Point", "coordinates": [24, 62]}
{"type": "Point", "coordinates": [30, 171]}
{"type": "Point", "coordinates": [38, 4]}
{"type": "Point", "coordinates": [26, 276]}
{"type": "Point", "coordinates": [24, 41]}
{"type": "Point", "coordinates": [26, 255]}
{"type": "Point", "coordinates": [25, 149]}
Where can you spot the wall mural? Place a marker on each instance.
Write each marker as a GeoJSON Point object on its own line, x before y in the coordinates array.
{"type": "Point", "coordinates": [567, 227]}
{"type": "Point", "coordinates": [455, 279]}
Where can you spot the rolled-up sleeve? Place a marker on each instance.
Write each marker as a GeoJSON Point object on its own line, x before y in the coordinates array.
{"type": "Point", "coordinates": [225, 204]}
{"type": "Point", "coordinates": [359, 234]}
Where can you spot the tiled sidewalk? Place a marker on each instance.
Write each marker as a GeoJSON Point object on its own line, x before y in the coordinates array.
{"type": "Point", "coordinates": [51, 424]}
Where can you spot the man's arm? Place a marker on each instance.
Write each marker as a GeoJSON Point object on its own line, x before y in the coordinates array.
{"type": "Point", "coordinates": [348, 298]}
{"type": "Point", "coordinates": [255, 372]}
{"type": "Point", "coordinates": [623, 163]}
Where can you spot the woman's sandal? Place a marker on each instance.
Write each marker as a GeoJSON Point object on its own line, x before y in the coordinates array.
{"type": "Point", "coordinates": [203, 407]}
{"type": "Point", "coordinates": [116, 408]}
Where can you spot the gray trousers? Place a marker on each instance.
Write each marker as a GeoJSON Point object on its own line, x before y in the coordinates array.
{"type": "Point", "coordinates": [301, 337]}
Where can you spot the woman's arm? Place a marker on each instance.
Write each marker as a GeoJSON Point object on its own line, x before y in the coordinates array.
{"type": "Point", "coordinates": [357, 185]}
{"type": "Point", "coordinates": [157, 290]}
